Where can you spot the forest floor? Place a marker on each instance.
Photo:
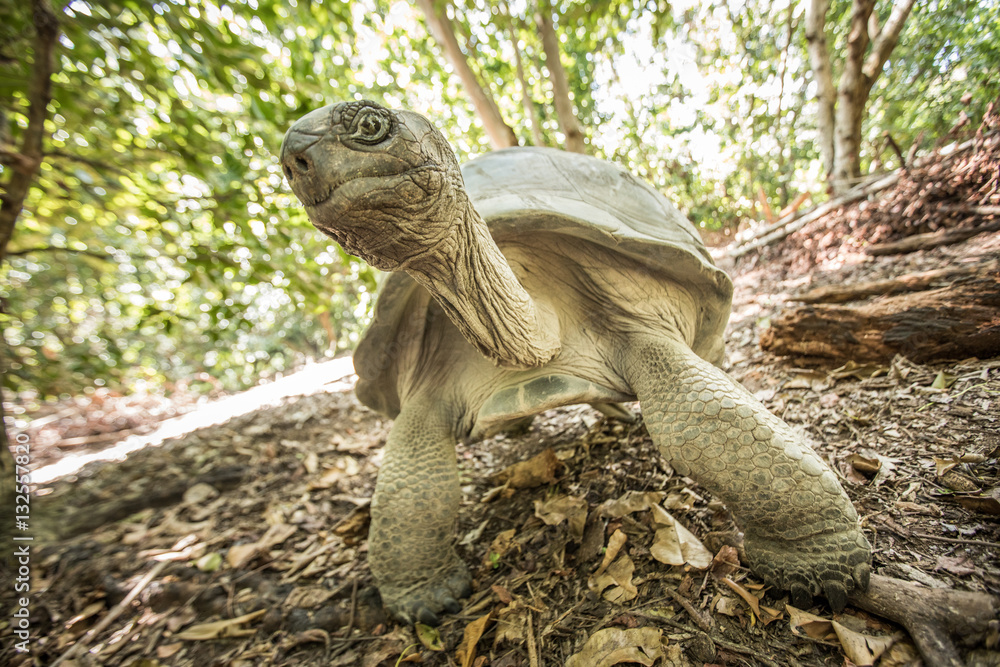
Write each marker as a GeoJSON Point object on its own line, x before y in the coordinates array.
{"type": "Point", "coordinates": [245, 542]}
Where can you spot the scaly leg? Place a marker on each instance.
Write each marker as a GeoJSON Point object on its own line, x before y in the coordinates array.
{"type": "Point", "coordinates": [412, 538]}
{"type": "Point", "coordinates": [801, 530]}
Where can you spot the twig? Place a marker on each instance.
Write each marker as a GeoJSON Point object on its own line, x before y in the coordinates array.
{"type": "Point", "coordinates": [895, 148]}
{"type": "Point", "coordinates": [532, 647]}
{"type": "Point", "coordinates": [718, 641]}
{"type": "Point", "coordinates": [703, 621]}
{"type": "Point", "coordinates": [354, 607]}
{"type": "Point", "coordinates": [956, 540]}
{"type": "Point", "coordinates": [84, 641]}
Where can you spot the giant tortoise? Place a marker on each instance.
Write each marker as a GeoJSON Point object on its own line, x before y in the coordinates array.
{"type": "Point", "coordinates": [533, 278]}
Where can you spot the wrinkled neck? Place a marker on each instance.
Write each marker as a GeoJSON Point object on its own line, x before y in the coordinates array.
{"type": "Point", "coordinates": [475, 285]}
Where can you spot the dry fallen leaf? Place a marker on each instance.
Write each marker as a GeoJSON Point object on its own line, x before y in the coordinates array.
{"type": "Point", "coordinates": [862, 649]}
{"type": "Point", "coordinates": [901, 654]}
{"type": "Point", "coordinates": [615, 583]}
{"type": "Point", "coordinates": [564, 508]}
{"type": "Point", "coordinates": [747, 596]}
{"type": "Point", "coordinates": [864, 464]}
{"type": "Point", "coordinates": [725, 562]}
{"type": "Point", "coordinates": [676, 545]}
{"type": "Point", "coordinates": [729, 607]}
{"type": "Point", "coordinates": [814, 627]}
{"type": "Point", "coordinates": [241, 554]}
{"type": "Point", "coordinates": [961, 565]}
{"type": "Point", "coordinates": [502, 544]}
{"type": "Point", "coordinates": [218, 629]}
{"type": "Point", "coordinates": [466, 651]}
{"type": "Point", "coordinates": [916, 508]}
{"type": "Point", "coordinates": [502, 593]}
{"type": "Point", "coordinates": [681, 501]}
{"type": "Point", "coordinates": [308, 597]}
{"type": "Point", "coordinates": [168, 650]}
{"type": "Point", "coordinates": [987, 503]}
{"type": "Point", "coordinates": [537, 471]}
{"type": "Point", "coordinates": [512, 625]}
{"type": "Point", "coordinates": [941, 466]}
{"type": "Point", "coordinates": [275, 535]}
{"type": "Point", "coordinates": [353, 528]}
{"type": "Point", "coordinates": [615, 543]}
{"type": "Point", "coordinates": [629, 503]}
{"type": "Point", "coordinates": [612, 646]}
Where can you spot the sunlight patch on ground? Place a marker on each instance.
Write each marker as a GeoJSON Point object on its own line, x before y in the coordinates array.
{"type": "Point", "coordinates": [333, 375]}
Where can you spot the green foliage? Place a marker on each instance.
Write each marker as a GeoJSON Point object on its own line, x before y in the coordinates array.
{"type": "Point", "coordinates": [158, 238]}
{"type": "Point", "coordinates": [948, 51]}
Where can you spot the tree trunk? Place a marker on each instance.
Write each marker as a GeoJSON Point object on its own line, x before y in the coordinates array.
{"type": "Point", "coordinates": [15, 191]}
{"type": "Point", "coordinates": [826, 95]}
{"type": "Point", "coordinates": [26, 166]}
{"type": "Point", "coordinates": [852, 99]}
{"type": "Point", "coordinates": [500, 134]}
{"type": "Point", "coordinates": [529, 106]}
{"type": "Point", "coordinates": [953, 322]}
{"type": "Point", "coordinates": [841, 115]}
{"type": "Point", "coordinates": [560, 86]}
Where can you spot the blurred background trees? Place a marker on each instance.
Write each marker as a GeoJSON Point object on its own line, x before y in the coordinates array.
{"type": "Point", "coordinates": [148, 235]}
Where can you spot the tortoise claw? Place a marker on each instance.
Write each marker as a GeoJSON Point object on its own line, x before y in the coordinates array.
{"type": "Point", "coordinates": [801, 597]}
{"type": "Point", "coordinates": [428, 601]}
{"type": "Point", "coordinates": [427, 617]}
{"type": "Point", "coordinates": [836, 595]}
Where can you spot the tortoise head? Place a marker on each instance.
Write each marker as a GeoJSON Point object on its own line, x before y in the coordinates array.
{"type": "Point", "coordinates": [384, 184]}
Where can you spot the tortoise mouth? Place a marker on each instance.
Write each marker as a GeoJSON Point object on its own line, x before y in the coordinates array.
{"type": "Point", "coordinates": [329, 192]}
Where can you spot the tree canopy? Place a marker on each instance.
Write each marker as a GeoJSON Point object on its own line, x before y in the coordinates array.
{"type": "Point", "coordinates": [157, 237]}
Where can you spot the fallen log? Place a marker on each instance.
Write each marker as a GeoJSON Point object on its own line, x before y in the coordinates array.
{"type": "Point", "coordinates": [910, 282]}
{"type": "Point", "coordinates": [930, 240]}
{"type": "Point", "coordinates": [957, 321]}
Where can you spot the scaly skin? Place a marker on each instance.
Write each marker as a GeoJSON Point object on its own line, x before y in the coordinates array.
{"type": "Point", "coordinates": [411, 542]}
{"type": "Point", "coordinates": [801, 530]}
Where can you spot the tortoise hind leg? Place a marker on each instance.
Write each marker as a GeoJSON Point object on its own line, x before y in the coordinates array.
{"type": "Point", "coordinates": [801, 530]}
{"type": "Point", "coordinates": [414, 510]}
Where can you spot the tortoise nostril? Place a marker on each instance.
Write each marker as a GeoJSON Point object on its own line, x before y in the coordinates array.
{"type": "Point", "coordinates": [288, 172]}
{"type": "Point", "coordinates": [302, 164]}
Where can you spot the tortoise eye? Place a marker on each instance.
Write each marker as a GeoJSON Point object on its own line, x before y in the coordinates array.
{"type": "Point", "coordinates": [371, 127]}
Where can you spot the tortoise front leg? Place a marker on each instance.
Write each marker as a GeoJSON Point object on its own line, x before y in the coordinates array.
{"type": "Point", "coordinates": [411, 544]}
{"type": "Point", "coordinates": [801, 530]}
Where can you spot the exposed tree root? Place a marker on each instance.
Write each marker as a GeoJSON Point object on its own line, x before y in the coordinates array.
{"type": "Point", "coordinates": [934, 616]}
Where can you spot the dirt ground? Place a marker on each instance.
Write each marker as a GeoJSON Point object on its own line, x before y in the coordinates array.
{"type": "Point", "coordinates": [245, 543]}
